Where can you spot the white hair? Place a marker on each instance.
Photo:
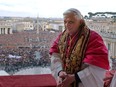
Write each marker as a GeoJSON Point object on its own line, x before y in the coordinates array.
{"type": "Point", "coordinates": [74, 11]}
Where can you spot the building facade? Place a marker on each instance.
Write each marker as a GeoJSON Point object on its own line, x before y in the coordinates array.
{"type": "Point", "coordinates": [5, 27]}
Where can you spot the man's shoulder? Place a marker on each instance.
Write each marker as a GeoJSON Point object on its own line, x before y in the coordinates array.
{"type": "Point", "coordinates": [94, 34]}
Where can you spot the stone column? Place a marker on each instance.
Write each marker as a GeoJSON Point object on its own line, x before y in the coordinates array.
{"type": "Point", "coordinates": [0, 30]}
{"type": "Point", "coordinates": [10, 30]}
{"type": "Point", "coordinates": [115, 49]}
{"type": "Point", "coordinates": [112, 49]}
{"type": "Point", "coordinates": [6, 31]}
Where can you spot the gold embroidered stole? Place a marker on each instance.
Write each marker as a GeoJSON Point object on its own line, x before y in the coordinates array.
{"type": "Point", "coordinates": [73, 63]}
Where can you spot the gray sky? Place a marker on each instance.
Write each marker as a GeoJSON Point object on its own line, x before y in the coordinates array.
{"type": "Point", "coordinates": [53, 8]}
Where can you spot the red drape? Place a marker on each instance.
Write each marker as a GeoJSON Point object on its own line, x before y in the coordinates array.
{"type": "Point", "coordinates": [45, 80]}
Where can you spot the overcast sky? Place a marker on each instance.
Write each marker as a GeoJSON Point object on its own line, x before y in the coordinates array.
{"type": "Point", "coordinates": [53, 8]}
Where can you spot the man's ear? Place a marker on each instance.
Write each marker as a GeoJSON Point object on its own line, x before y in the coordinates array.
{"type": "Point", "coordinates": [82, 22]}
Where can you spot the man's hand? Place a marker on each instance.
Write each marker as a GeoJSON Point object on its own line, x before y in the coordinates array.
{"type": "Point", "coordinates": [108, 78]}
{"type": "Point", "coordinates": [62, 76]}
{"type": "Point", "coordinates": [67, 79]}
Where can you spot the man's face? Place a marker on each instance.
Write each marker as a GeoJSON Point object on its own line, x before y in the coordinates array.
{"type": "Point", "coordinates": [71, 23]}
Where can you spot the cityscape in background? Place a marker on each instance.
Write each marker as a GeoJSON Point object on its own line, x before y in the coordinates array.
{"type": "Point", "coordinates": [25, 41]}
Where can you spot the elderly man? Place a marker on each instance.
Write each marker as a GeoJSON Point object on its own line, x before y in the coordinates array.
{"type": "Point", "coordinates": [79, 57]}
